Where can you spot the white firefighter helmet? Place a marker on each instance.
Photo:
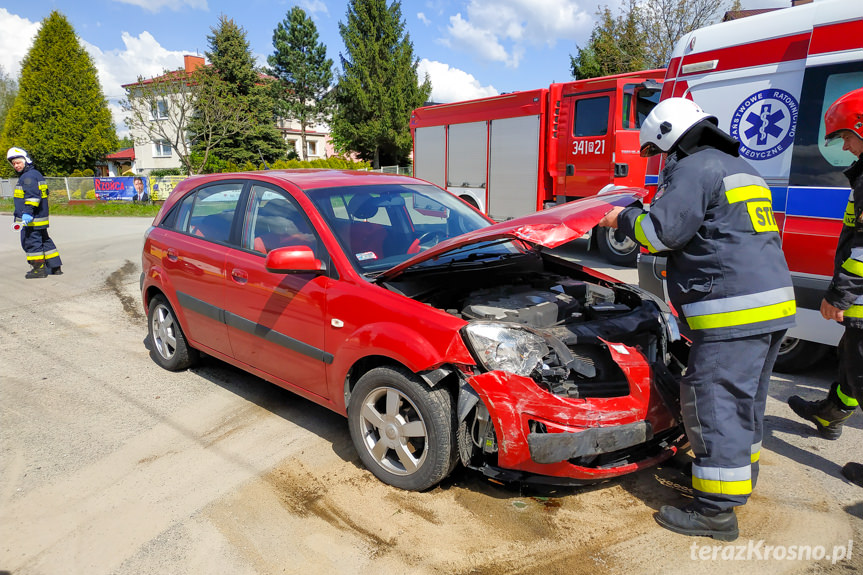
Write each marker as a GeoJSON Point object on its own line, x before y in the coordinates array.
{"type": "Point", "coordinates": [18, 153]}
{"type": "Point", "coordinates": [667, 123]}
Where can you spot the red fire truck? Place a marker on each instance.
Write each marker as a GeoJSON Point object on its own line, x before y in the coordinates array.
{"type": "Point", "coordinates": [517, 153]}
{"type": "Point", "coordinates": [769, 79]}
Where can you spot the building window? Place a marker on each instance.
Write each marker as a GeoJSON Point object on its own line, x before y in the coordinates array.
{"type": "Point", "coordinates": [312, 148]}
{"type": "Point", "coordinates": [161, 149]}
{"type": "Point", "coordinates": [160, 110]}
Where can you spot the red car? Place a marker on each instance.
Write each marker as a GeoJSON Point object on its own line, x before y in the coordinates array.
{"type": "Point", "coordinates": [441, 336]}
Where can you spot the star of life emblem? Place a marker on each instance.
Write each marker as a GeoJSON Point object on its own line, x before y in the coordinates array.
{"type": "Point", "coordinates": [765, 124]}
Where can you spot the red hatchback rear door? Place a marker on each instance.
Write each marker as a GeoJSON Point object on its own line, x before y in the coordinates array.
{"type": "Point", "coordinates": [276, 320]}
{"type": "Point", "coordinates": [194, 259]}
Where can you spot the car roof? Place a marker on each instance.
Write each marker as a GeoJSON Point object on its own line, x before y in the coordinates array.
{"type": "Point", "coordinates": [308, 179]}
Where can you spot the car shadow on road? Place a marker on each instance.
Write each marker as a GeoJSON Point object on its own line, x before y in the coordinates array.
{"type": "Point", "coordinates": [285, 404]}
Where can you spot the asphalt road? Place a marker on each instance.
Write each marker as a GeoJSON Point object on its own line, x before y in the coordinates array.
{"type": "Point", "coordinates": [109, 464]}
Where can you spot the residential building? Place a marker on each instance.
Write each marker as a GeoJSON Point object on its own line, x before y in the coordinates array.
{"type": "Point", "coordinates": [158, 154]}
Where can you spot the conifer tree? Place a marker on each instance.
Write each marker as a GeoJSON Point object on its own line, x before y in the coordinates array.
{"type": "Point", "coordinates": [234, 80]}
{"type": "Point", "coordinates": [60, 114]}
{"type": "Point", "coordinates": [378, 86]}
{"type": "Point", "coordinates": [303, 71]}
{"type": "Point", "coordinates": [616, 45]}
{"type": "Point", "coordinates": [8, 91]}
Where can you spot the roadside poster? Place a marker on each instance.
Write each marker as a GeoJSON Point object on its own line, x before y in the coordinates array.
{"type": "Point", "coordinates": [128, 188]}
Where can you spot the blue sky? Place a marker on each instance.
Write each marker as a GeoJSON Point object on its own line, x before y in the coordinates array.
{"type": "Point", "coordinates": [469, 48]}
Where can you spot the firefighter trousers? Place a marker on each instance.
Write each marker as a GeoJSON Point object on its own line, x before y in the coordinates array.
{"type": "Point", "coordinates": [850, 350]}
{"type": "Point", "coordinates": [39, 247]}
{"type": "Point", "coordinates": [723, 396]}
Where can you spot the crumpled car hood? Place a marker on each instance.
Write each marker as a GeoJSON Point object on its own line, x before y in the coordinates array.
{"type": "Point", "coordinates": [547, 228]}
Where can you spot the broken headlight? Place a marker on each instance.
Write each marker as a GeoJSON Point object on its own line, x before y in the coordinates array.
{"type": "Point", "coordinates": [506, 347]}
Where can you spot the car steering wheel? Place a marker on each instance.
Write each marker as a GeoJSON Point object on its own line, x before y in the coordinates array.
{"type": "Point", "coordinates": [426, 240]}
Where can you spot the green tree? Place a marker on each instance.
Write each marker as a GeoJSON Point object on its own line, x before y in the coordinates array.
{"type": "Point", "coordinates": [667, 21]}
{"type": "Point", "coordinates": [378, 87]}
{"type": "Point", "coordinates": [232, 82]}
{"type": "Point", "coordinates": [60, 114]}
{"type": "Point", "coordinates": [180, 100]}
{"type": "Point", "coordinates": [616, 45]}
{"type": "Point", "coordinates": [8, 91]}
{"type": "Point", "coordinates": [303, 71]}
{"type": "Point", "coordinates": [643, 35]}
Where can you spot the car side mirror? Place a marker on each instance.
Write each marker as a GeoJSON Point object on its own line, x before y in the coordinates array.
{"type": "Point", "coordinates": [294, 260]}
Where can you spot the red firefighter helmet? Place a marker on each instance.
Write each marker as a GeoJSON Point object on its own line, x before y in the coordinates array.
{"type": "Point", "coordinates": [846, 113]}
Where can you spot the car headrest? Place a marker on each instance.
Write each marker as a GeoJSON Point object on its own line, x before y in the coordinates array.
{"type": "Point", "coordinates": [363, 207]}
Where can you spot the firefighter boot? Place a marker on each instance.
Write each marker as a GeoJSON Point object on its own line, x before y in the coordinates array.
{"type": "Point", "coordinates": [56, 271]}
{"type": "Point", "coordinates": [853, 472]}
{"type": "Point", "coordinates": [38, 271]}
{"type": "Point", "coordinates": [690, 521]}
{"type": "Point", "coordinates": [828, 414]}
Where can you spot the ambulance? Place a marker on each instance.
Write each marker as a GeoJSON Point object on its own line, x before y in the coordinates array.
{"type": "Point", "coordinates": [769, 79]}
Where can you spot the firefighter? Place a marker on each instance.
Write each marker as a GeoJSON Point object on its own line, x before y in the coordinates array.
{"type": "Point", "coordinates": [843, 300]}
{"type": "Point", "coordinates": [31, 207]}
{"type": "Point", "coordinates": [728, 281]}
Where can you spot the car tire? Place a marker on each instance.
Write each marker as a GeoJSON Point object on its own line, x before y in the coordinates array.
{"type": "Point", "coordinates": [168, 346]}
{"type": "Point", "coordinates": [619, 253]}
{"type": "Point", "coordinates": [402, 429]}
{"type": "Point", "coordinates": [797, 355]}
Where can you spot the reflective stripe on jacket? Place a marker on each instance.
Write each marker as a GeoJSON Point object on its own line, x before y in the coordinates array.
{"type": "Point", "coordinates": [713, 218]}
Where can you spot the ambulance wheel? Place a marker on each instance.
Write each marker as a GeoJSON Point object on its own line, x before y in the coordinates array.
{"type": "Point", "coordinates": [168, 345]}
{"type": "Point", "coordinates": [797, 355]}
{"type": "Point", "coordinates": [618, 252]}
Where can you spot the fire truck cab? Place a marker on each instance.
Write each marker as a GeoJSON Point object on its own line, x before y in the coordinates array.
{"type": "Point", "coordinates": [517, 153]}
{"type": "Point", "coordinates": [769, 79]}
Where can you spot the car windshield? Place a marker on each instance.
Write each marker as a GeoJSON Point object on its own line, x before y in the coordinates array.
{"type": "Point", "coordinates": [381, 226]}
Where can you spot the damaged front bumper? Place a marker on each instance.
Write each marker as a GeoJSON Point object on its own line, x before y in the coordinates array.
{"type": "Point", "coordinates": [564, 440]}
{"type": "Point", "coordinates": [556, 447]}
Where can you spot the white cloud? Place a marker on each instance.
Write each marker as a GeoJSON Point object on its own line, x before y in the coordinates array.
{"type": "Point", "coordinates": [141, 55]}
{"type": "Point", "coordinates": [314, 6]}
{"type": "Point", "coordinates": [478, 41]}
{"type": "Point", "coordinates": [16, 38]}
{"type": "Point", "coordinates": [451, 84]}
{"type": "Point", "coordinates": [423, 18]}
{"type": "Point", "coordinates": [156, 6]}
{"type": "Point", "coordinates": [500, 30]}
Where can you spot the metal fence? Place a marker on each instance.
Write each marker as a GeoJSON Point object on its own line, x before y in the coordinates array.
{"type": "Point", "coordinates": [401, 170]}
{"type": "Point", "coordinates": [85, 188]}
{"type": "Point", "coordinates": [160, 188]}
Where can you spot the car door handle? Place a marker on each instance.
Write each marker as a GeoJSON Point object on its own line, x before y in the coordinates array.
{"type": "Point", "coordinates": [172, 254]}
{"type": "Point", "coordinates": [239, 276]}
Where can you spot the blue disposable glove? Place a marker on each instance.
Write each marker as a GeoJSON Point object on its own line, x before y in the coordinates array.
{"type": "Point", "coordinates": [27, 218]}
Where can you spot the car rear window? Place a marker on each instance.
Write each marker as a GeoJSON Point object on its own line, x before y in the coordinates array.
{"type": "Point", "coordinates": [207, 212]}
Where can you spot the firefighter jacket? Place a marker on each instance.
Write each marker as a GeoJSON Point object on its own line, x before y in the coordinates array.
{"type": "Point", "coordinates": [31, 197]}
{"type": "Point", "coordinates": [846, 289]}
{"type": "Point", "coordinates": [712, 217]}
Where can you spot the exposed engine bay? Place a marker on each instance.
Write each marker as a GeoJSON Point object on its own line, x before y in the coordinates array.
{"type": "Point", "coordinates": [577, 316]}
{"type": "Point", "coordinates": [572, 310]}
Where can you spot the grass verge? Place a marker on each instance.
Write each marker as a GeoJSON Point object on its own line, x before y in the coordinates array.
{"type": "Point", "coordinates": [101, 209]}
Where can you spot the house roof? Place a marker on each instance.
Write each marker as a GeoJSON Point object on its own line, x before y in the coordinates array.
{"type": "Point", "coordinates": [738, 14]}
{"type": "Point", "coordinates": [124, 154]}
